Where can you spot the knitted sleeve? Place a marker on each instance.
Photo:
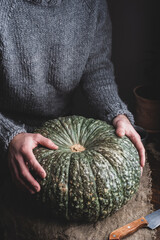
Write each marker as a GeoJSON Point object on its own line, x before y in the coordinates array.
{"type": "Point", "coordinates": [98, 83]}
{"type": "Point", "coordinates": [8, 130]}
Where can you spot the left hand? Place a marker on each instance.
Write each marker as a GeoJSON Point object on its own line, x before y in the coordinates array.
{"type": "Point", "coordinates": [124, 127]}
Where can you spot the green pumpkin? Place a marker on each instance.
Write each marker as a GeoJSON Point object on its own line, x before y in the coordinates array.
{"type": "Point", "coordinates": [92, 174]}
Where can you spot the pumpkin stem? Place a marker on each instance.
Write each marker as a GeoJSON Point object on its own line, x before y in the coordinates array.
{"type": "Point", "coordinates": [77, 148]}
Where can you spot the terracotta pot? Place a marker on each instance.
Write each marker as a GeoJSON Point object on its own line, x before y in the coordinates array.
{"type": "Point", "coordinates": [147, 107]}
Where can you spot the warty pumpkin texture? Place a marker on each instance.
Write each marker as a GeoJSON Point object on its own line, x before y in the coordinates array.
{"type": "Point", "coordinates": [91, 175]}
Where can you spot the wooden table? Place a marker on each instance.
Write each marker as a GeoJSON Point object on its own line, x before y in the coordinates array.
{"type": "Point", "coordinates": [154, 161]}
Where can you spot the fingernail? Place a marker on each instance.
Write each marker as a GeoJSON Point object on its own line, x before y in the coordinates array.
{"type": "Point", "coordinates": [43, 174]}
{"type": "Point", "coordinates": [55, 146]}
{"type": "Point", "coordinates": [122, 133]}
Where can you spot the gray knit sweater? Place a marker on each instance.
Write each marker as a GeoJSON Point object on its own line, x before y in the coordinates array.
{"type": "Point", "coordinates": [47, 49]}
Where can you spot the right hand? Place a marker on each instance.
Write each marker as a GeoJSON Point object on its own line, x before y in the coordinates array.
{"type": "Point", "coordinates": [20, 156]}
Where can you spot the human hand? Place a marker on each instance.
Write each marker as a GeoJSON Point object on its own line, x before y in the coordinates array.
{"type": "Point", "coordinates": [124, 127]}
{"type": "Point", "coordinates": [20, 157]}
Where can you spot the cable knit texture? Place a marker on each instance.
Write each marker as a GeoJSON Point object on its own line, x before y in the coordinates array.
{"type": "Point", "coordinates": [48, 48]}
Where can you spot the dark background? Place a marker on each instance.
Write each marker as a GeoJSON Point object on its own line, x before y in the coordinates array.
{"type": "Point", "coordinates": [135, 50]}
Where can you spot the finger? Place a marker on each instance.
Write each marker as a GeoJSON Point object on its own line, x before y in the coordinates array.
{"type": "Point", "coordinates": [135, 138]}
{"type": "Point", "coordinates": [34, 164]}
{"type": "Point", "coordinates": [120, 131]}
{"type": "Point", "coordinates": [26, 176]}
{"type": "Point", "coordinates": [46, 142]}
{"type": "Point", "coordinates": [17, 179]}
{"type": "Point", "coordinates": [120, 128]}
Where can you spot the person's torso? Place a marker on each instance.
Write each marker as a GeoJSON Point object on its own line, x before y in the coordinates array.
{"type": "Point", "coordinates": [44, 46]}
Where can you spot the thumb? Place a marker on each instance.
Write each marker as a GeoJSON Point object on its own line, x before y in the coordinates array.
{"type": "Point", "coordinates": [120, 131]}
{"type": "Point", "coordinates": [46, 142]}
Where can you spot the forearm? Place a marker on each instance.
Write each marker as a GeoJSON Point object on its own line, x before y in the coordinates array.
{"type": "Point", "coordinates": [98, 81]}
{"type": "Point", "coordinates": [105, 100]}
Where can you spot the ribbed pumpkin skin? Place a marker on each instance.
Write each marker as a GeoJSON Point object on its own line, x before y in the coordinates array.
{"type": "Point", "coordinates": [92, 184]}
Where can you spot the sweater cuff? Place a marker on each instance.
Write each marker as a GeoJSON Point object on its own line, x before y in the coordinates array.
{"type": "Point", "coordinates": [11, 134]}
{"type": "Point", "coordinates": [117, 109]}
{"type": "Point", "coordinates": [127, 113]}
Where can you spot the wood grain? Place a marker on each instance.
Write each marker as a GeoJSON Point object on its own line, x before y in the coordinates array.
{"type": "Point", "coordinates": [128, 229]}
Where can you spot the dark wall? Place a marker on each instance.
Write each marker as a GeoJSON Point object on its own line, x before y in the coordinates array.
{"type": "Point", "coordinates": [136, 27]}
{"type": "Point", "coordinates": [135, 50]}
